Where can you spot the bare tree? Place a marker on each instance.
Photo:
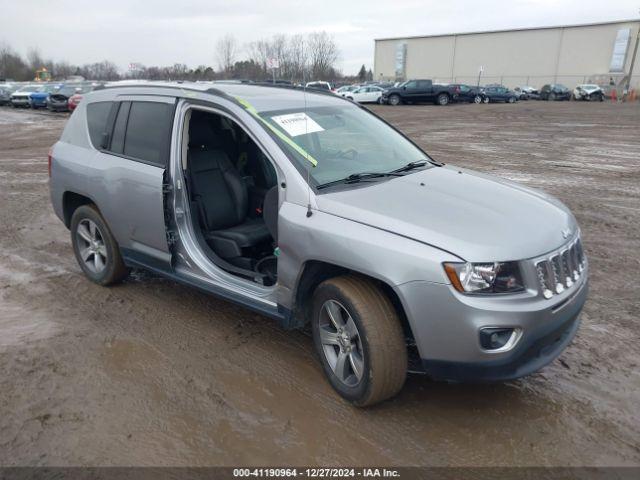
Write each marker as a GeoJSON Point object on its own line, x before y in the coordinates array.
{"type": "Point", "coordinates": [12, 66]}
{"type": "Point", "coordinates": [323, 55]}
{"type": "Point", "coordinates": [34, 59]}
{"type": "Point", "coordinates": [226, 52]}
{"type": "Point", "coordinates": [297, 57]}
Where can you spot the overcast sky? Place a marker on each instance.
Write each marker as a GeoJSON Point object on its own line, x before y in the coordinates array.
{"type": "Point", "coordinates": [164, 32]}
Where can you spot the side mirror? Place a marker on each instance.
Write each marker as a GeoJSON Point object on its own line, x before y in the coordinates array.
{"type": "Point", "coordinates": [404, 88]}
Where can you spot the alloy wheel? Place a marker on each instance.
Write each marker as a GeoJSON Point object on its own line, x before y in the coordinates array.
{"type": "Point", "coordinates": [341, 343]}
{"type": "Point", "coordinates": [91, 246]}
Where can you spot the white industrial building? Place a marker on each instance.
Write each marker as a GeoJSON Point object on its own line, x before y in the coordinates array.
{"type": "Point", "coordinates": [569, 54]}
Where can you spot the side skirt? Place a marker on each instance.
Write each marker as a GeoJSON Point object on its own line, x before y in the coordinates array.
{"type": "Point", "coordinates": [135, 259]}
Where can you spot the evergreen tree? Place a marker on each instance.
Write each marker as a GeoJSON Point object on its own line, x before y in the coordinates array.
{"type": "Point", "coordinates": [362, 74]}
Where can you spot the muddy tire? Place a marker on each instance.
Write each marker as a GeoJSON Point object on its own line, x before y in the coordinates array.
{"type": "Point", "coordinates": [96, 250]}
{"type": "Point", "coordinates": [358, 336]}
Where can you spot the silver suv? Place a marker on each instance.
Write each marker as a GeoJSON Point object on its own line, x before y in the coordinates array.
{"type": "Point", "coordinates": [311, 210]}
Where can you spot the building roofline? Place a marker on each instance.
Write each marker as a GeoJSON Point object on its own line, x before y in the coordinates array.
{"type": "Point", "coordinates": [480, 32]}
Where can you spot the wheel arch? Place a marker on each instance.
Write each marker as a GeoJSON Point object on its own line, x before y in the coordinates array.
{"type": "Point", "coordinates": [70, 203]}
{"type": "Point", "coordinates": [314, 272]}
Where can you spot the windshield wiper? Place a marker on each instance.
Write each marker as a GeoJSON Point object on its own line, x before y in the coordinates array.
{"type": "Point", "coordinates": [410, 166]}
{"type": "Point", "coordinates": [356, 177]}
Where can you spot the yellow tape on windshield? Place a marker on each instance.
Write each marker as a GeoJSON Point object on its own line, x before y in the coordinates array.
{"type": "Point", "coordinates": [250, 108]}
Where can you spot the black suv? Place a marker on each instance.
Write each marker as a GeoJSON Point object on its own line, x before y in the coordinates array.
{"type": "Point", "coordinates": [499, 94]}
{"type": "Point", "coordinates": [555, 91]}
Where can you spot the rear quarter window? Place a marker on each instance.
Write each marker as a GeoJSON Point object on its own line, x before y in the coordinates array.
{"type": "Point", "coordinates": [97, 116]}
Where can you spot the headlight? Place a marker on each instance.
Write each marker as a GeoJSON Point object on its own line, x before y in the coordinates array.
{"type": "Point", "coordinates": [497, 277]}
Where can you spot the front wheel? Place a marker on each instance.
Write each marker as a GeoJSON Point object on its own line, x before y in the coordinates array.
{"type": "Point", "coordinates": [358, 336]}
{"type": "Point", "coordinates": [551, 97]}
{"type": "Point", "coordinates": [477, 99]}
{"type": "Point", "coordinates": [96, 250]}
{"type": "Point", "coordinates": [394, 100]}
{"type": "Point", "coordinates": [486, 100]}
{"type": "Point", "coordinates": [512, 100]}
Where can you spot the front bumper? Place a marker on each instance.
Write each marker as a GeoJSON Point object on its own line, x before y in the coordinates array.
{"type": "Point", "coordinates": [446, 326]}
{"type": "Point", "coordinates": [20, 102]}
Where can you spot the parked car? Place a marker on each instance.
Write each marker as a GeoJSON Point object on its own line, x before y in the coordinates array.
{"type": "Point", "coordinates": [76, 98]}
{"type": "Point", "coordinates": [465, 93]}
{"type": "Point", "coordinates": [342, 91]}
{"type": "Point", "coordinates": [555, 91]}
{"type": "Point", "coordinates": [5, 93]}
{"type": "Point", "coordinates": [417, 91]}
{"type": "Point", "coordinates": [368, 94]}
{"type": "Point", "coordinates": [20, 98]}
{"type": "Point", "coordinates": [320, 86]}
{"type": "Point", "coordinates": [499, 94]}
{"type": "Point", "coordinates": [588, 91]}
{"type": "Point", "coordinates": [59, 100]}
{"type": "Point", "coordinates": [527, 92]}
{"type": "Point", "coordinates": [264, 200]}
{"type": "Point", "coordinates": [40, 97]}
{"type": "Point", "coordinates": [384, 85]}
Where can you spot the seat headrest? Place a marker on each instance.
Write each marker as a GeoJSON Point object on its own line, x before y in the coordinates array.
{"type": "Point", "coordinates": [202, 135]}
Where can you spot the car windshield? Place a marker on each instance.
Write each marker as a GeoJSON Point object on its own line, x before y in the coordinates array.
{"type": "Point", "coordinates": [28, 88]}
{"type": "Point", "coordinates": [343, 140]}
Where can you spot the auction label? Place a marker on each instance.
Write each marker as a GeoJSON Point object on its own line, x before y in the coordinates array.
{"type": "Point", "coordinates": [316, 472]}
{"type": "Point", "coordinates": [297, 124]}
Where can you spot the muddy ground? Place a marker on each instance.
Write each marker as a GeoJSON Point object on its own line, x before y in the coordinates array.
{"type": "Point", "coordinates": [154, 373]}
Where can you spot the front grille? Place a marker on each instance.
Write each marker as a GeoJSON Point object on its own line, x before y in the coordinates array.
{"type": "Point", "coordinates": [561, 269]}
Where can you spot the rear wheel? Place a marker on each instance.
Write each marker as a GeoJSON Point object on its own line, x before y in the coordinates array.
{"type": "Point", "coordinates": [95, 248]}
{"type": "Point", "coordinates": [477, 99]}
{"type": "Point", "coordinates": [358, 336]}
{"type": "Point", "coordinates": [443, 99]}
{"type": "Point", "coordinates": [551, 97]}
{"type": "Point", "coordinates": [394, 100]}
{"type": "Point", "coordinates": [486, 100]}
{"type": "Point", "coordinates": [511, 99]}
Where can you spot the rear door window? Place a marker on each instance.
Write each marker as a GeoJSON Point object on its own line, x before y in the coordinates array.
{"type": "Point", "coordinates": [97, 116]}
{"type": "Point", "coordinates": [120, 128]}
{"type": "Point", "coordinates": [148, 132]}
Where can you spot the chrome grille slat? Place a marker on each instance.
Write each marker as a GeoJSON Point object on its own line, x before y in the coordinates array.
{"type": "Point", "coordinates": [561, 269]}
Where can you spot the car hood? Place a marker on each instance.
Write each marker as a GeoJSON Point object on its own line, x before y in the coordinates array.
{"type": "Point", "coordinates": [474, 216]}
{"type": "Point", "coordinates": [21, 94]}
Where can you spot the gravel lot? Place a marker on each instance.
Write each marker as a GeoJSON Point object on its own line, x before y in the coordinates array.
{"type": "Point", "coordinates": [153, 373]}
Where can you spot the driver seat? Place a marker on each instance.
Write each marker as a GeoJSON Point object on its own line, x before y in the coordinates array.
{"type": "Point", "coordinates": [220, 194]}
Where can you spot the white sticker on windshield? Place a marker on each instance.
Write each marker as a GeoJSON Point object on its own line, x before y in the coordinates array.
{"type": "Point", "coordinates": [297, 124]}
